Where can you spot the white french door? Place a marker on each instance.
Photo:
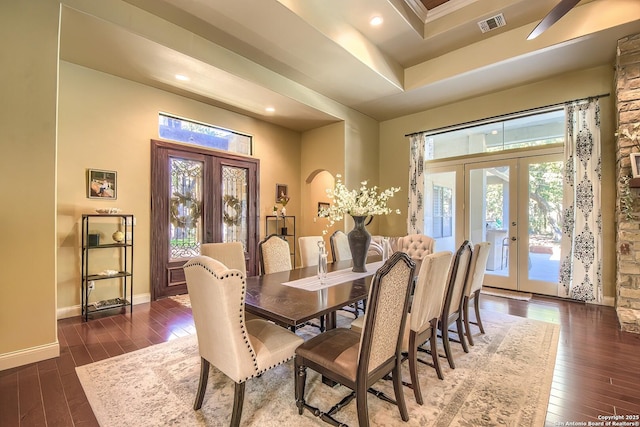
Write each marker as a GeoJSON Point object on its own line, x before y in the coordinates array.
{"type": "Point", "coordinates": [515, 204]}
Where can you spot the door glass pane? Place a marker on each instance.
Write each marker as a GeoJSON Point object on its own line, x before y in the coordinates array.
{"type": "Point", "coordinates": [489, 214]}
{"type": "Point", "coordinates": [185, 208]}
{"type": "Point", "coordinates": [439, 221]}
{"type": "Point", "coordinates": [234, 204]}
{"type": "Point", "coordinates": [544, 211]}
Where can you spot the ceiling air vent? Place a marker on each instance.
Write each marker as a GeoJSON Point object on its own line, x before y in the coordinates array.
{"type": "Point", "coordinates": [492, 23]}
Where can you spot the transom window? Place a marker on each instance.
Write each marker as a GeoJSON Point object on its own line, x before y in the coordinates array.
{"type": "Point", "coordinates": [183, 130]}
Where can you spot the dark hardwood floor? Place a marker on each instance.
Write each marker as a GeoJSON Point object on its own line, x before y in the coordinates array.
{"type": "Point", "coordinates": [597, 366]}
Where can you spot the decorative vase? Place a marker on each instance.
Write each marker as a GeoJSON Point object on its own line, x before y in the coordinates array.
{"type": "Point", "coordinates": [284, 211]}
{"type": "Point", "coordinates": [359, 240]}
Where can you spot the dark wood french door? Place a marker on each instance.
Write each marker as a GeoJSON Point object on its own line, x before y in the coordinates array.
{"type": "Point", "coordinates": [199, 196]}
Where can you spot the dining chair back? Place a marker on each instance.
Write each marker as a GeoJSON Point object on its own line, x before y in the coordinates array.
{"type": "Point", "coordinates": [340, 250]}
{"type": "Point", "coordinates": [355, 360]}
{"type": "Point", "coordinates": [274, 255]}
{"type": "Point", "coordinates": [422, 321]}
{"type": "Point", "coordinates": [230, 254]}
{"type": "Point", "coordinates": [474, 286]}
{"type": "Point", "coordinates": [308, 246]}
{"type": "Point", "coordinates": [452, 308]}
{"type": "Point", "coordinates": [240, 349]}
{"type": "Point", "coordinates": [417, 246]}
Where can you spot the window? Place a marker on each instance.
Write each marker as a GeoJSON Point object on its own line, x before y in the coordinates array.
{"type": "Point", "coordinates": [442, 219]}
{"type": "Point", "coordinates": [529, 129]}
{"type": "Point", "coordinates": [204, 135]}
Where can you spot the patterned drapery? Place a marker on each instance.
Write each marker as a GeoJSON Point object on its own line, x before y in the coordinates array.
{"type": "Point", "coordinates": [581, 243]}
{"type": "Point", "coordinates": [415, 214]}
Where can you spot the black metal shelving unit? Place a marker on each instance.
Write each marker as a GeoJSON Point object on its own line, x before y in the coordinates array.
{"type": "Point", "coordinates": [124, 272]}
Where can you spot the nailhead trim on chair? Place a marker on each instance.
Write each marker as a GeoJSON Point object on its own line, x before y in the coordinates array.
{"type": "Point", "coordinates": [245, 334]}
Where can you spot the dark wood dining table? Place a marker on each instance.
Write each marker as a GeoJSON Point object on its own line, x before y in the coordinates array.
{"type": "Point", "coordinates": [267, 297]}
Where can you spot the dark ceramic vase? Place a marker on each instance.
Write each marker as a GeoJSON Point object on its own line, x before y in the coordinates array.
{"type": "Point", "coordinates": [359, 240]}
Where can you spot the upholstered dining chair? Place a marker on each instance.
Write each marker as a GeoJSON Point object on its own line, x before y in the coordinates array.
{"type": "Point", "coordinates": [308, 246]}
{"type": "Point", "coordinates": [474, 286]}
{"type": "Point", "coordinates": [452, 308]}
{"type": "Point", "coordinates": [356, 360]}
{"type": "Point", "coordinates": [230, 254]}
{"type": "Point", "coordinates": [339, 246]}
{"type": "Point", "coordinates": [240, 349]}
{"type": "Point", "coordinates": [422, 321]}
{"type": "Point", "coordinates": [274, 255]}
{"type": "Point", "coordinates": [417, 246]}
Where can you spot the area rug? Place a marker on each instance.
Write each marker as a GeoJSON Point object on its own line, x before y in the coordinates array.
{"type": "Point", "coordinates": [522, 296]}
{"type": "Point", "coordinates": [505, 379]}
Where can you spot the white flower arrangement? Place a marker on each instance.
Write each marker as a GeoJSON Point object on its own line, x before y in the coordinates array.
{"type": "Point", "coordinates": [362, 202]}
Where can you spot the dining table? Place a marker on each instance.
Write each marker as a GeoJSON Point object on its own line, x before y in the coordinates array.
{"type": "Point", "coordinates": [293, 297]}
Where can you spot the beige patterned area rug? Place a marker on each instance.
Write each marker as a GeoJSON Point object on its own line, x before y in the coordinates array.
{"type": "Point", "coordinates": [504, 380]}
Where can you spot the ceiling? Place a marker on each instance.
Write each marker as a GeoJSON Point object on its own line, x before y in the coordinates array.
{"type": "Point", "coordinates": [309, 58]}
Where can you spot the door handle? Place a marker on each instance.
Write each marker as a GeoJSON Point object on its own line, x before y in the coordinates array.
{"type": "Point", "coordinates": [513, 239]}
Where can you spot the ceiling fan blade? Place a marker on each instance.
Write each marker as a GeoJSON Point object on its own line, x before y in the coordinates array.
{"type": "Point", "coordinates": [552, 17]}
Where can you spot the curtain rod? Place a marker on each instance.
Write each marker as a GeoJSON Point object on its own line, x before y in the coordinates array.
{"type": "Point", "coordinates": [497, 118]}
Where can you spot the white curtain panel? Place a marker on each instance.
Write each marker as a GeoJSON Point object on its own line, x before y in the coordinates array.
{"type": "Point", "coordinates": [581, 243]}
{"type": "Point", "coordinates": [415, 214]}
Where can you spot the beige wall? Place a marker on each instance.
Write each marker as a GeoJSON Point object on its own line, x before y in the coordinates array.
{"type": "Point", "coordinates": [394, 146]}
{"type": "Point", "coordinates": [106, 123]}
{"type": "Point", "coordinates": [28, 186]}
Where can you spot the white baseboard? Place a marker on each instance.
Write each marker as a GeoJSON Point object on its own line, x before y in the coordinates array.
{"type": "Point", "coordinates": [29, 355]}
{"type": "Point", "coordinates": [76, 310]}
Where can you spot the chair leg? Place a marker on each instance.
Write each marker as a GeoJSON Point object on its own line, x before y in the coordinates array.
{"type": "Point", "coordinates": [476, 304]}
{"type": "Point", "coordinates": [397, 388]}
{"type": "Point", "coordinates": [361, 403]}
{"type": "Point", "coordinates": [460, 328]}
{"type": "Point", "coordinates": [202, 386]}
{"type": "Point", "coordinates": [300, 380]}
{"type": "Point", "coordinates": [238, 400]}
{"type": "Point", "coordinates": [467, 328]}
{"type": "Point", "coordinates": [447, 346]}
{"type": "Point", "coordinates": [434, 348]}
{"type": "Point", "coordinates": [413, 369]}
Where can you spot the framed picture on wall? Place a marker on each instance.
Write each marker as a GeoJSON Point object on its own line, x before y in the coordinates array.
{"type": "Point", "coordinates": [635, 164]}
{"type": "Point", "coordinates": [102, 184]}
{"type": "Point", "coordinates": [282, 192]}
{"type": "Point", "coordinates": [322, 206]}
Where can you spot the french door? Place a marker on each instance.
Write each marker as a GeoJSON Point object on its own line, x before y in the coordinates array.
{"type": "Point", "coordinates": [198, 196]}
{"type": "Point", "coordinates": [515, 204]}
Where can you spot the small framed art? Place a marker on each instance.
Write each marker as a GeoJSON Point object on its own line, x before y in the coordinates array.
{"type": "Point", "coordinates": [282, 192]}
{"type": "Point", "coordinates": [322, 206]}
{"type": "Point", "coordinates": [102, 184]}
{"type": "Point", "coordinates": [635, 164]}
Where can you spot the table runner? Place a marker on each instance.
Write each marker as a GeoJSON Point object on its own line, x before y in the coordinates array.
{"type": "Point", "coordinates": [334, 278]}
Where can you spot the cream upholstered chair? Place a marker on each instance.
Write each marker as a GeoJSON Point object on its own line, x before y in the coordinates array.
{"type": "Point", "coordinates": [356, 360]}
{"type": "Point", "coordinates": [474, 285]}
{"type": "Point", "coordinates": [417, 245]}
{"type": "Point", "coordinates": [422, 321]}
{"type": "Point", "coordinates": [452, 308]}
{"type": "Point", "coordinates": [274, 255]}
{"type": "Point", "coordinates": [238, 348]}
{"type": "Point", "coordinates": [308, 246]}
{"type": "Point", "coordinates": [230, 254]}
{"type": "Point", "coordinates": [339, 246]}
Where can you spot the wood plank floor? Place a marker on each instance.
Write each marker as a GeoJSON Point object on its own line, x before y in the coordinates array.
{"type": "Point", "coordinates": [597, 368]}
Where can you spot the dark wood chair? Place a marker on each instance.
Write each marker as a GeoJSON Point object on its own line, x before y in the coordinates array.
{"type": "Point", "coordinates": [356, 360]}
{"type": "Point", "coordinates": [474, 286]}
{"type": "Point", "coordinates": [422, 321]}
{"type": "Point", "coordinates": [452, 309]}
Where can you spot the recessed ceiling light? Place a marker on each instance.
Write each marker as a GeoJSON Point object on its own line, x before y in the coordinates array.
{"type": "Point", "coordinates": [270, 109]}
{"type": "Point", "coordinates": [182, 77]}
{"type": "Point", "coordinates": [376, 20]}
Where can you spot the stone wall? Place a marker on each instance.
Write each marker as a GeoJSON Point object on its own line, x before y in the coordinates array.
{"type": "Point", "coordinates": [628, 231]}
